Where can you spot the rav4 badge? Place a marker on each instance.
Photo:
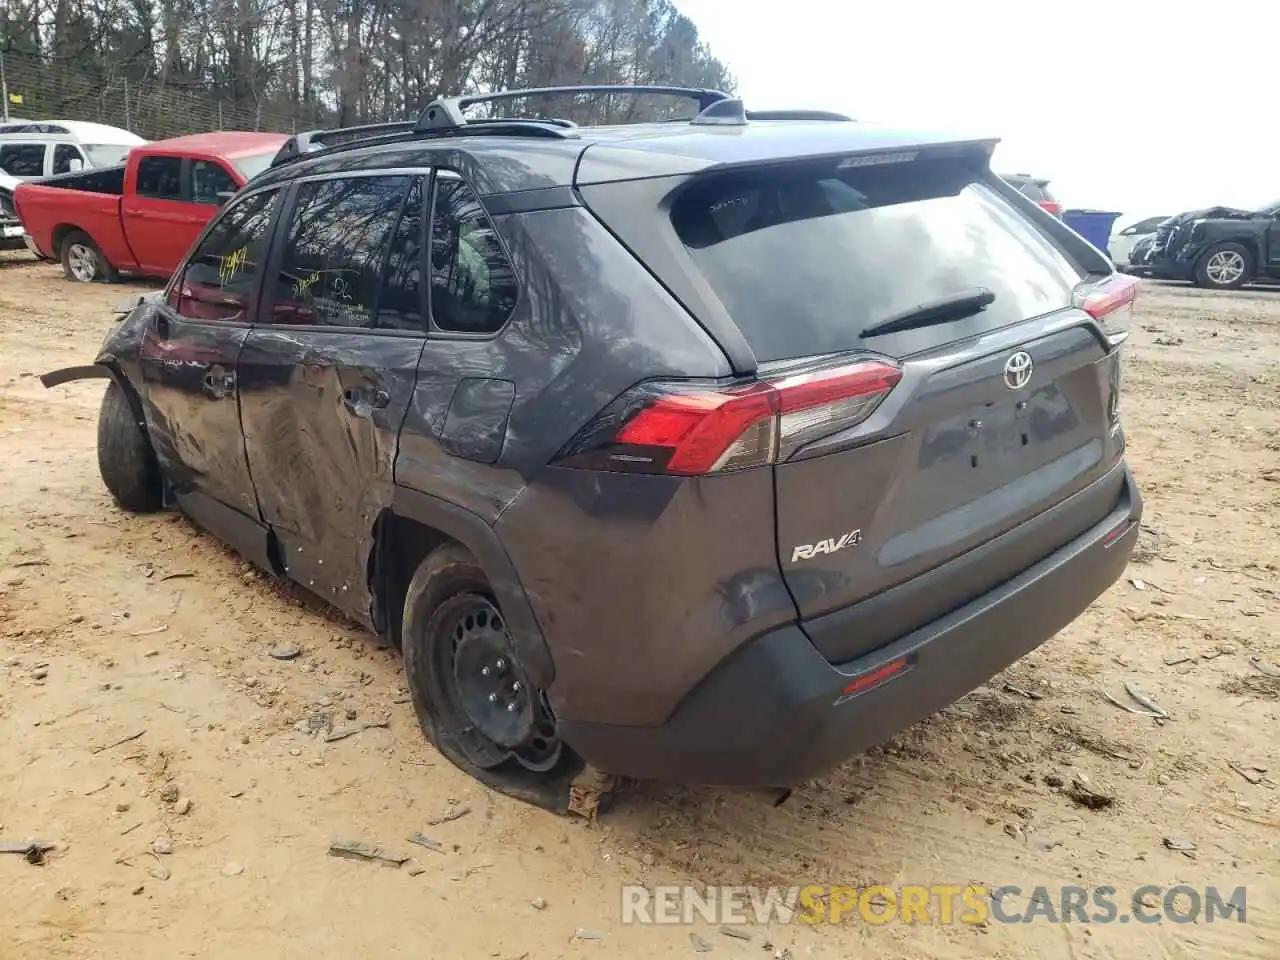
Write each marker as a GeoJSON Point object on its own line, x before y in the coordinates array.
{"type": "Point", "coordinates": [807, 551]}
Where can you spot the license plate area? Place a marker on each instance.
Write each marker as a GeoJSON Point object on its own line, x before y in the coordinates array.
{"type": "Point", "coordinates": [989, 445]}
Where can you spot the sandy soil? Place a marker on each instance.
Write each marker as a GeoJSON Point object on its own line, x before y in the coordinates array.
{"type": "Point", "coordinates": [133, 661]}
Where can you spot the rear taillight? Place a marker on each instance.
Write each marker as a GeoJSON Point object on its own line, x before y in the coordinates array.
{"type": "Point", "coordinates": [1052, 206]}
{"type": "Point", "coordinates": [688, 429]}
{"type": "Point", "coordinates": [704, 432]}
{"type": "Point", "coordinates": [1110, 302]}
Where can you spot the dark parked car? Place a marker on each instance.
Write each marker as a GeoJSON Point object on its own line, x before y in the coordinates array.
{"type": "Point", "coordinates": [714, 451]}
{"type": "Point", "coordinates": [1036, 189]}
{"type": "Point", "coordinates": [1220, 247]}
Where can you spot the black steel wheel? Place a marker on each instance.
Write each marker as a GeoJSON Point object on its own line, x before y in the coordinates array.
{"type": "Point", "coordinates": [474, 700]}
{"type": "Point", "coordinates": [486, 686]}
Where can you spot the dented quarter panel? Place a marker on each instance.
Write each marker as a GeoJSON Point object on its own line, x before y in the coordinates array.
{"type": "Point", "coordinates": [649, 581]}
{"type": "Point", "coordinates": [623, 573]}
{"type": "Point", "coordinates": [322, 460]}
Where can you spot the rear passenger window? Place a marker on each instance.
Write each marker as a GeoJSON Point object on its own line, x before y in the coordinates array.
{"type": "Point", "coordinates": [400, 306]}
{"type": "Point", "coordinates": [160, 178]}
{"type": "Point", "coordinates": [334, 251]}
{"type": "Point", "coordinates": [22, 159]}
{"type": "Point", "coordinates": [473, 287]}
{"type": "Point", "coordinates": [63, 154]}
{"type": "Point", "coordinates": [208, 179]}
{"type": "Point", "coordinates": [221, 274]}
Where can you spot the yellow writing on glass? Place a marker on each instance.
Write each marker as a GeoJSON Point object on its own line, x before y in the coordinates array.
{"type": "Point", "coordinates": [303, 284]}
{"type": "Point", "coordinates": [231, 264]}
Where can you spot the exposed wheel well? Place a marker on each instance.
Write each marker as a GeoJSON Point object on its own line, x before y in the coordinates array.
{"type": "Point", "coordinates": [60, 233]}
{"type": "Point", "coordinates": [400, 545]}
{"type": "Point", "coordinates": [131, 394]}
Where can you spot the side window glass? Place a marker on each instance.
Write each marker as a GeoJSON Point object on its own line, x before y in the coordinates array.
{"type": "Point", "coordinates": [63, 154]}
{"type": "Point", "coordinates": [160, 178]}
{"type": "Point", "coordinates": [473, 288]}
{"type": "Point", "coordinates": [22, 159]}
{"type": "Point", "coordinates": [208, 179]}
{"type": "Point", "coordinates": [332, 263]}
{"type": "Point", "coordinates": [220, 276]}
{"type": "Point", "coordinates": [401, 305]}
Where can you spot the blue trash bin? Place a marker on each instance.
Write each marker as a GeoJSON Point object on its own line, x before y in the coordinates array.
{"type": "Point", "coordinates": [1093, 225]}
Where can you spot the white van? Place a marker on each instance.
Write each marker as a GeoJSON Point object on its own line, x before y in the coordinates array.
{"type": "Point", "coordinates": [31, 149]}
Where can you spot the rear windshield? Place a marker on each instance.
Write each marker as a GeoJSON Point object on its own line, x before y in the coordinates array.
{"type": "Point", "coordinates": [805, 257]}
{"type": "Point", "coordinates": [106, 155]}
{"type": "Point", "coordinates": [253, 164]}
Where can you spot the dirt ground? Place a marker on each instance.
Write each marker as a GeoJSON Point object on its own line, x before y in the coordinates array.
{"type": "Point", "coordinates": [133, 661]}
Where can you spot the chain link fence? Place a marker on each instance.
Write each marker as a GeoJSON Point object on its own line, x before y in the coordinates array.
{"type": "Point", "coordinates": [42, 90]}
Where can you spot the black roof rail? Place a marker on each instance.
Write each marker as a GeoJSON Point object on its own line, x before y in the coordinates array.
{"type": "Point", "coordinates": [303, 143]}
{"type": "Point", "coordinates": [446, 113]}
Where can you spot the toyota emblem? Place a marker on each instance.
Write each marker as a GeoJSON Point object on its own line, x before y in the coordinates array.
{"type": "Point", "coordinates": [1018, 369]}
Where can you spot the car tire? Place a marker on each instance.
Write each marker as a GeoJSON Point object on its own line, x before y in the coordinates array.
{"type": "Point", "coordinates": [1224, 266]}
{"type": "Point", "coordinates": [126, 460]}
{"type": "Point", "coordinates": [83, 261]}
{"type": "Point", "coordinates": [467, 686]}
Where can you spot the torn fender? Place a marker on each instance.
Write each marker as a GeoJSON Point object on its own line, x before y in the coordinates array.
{"type": "Point", "coordinates": [91, 371]}
{"type": "Point", "coordinates": [98, 371]}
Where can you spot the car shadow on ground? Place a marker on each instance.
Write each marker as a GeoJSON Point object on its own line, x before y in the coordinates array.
{"type": "Point", "coordinates": [1266, 287]}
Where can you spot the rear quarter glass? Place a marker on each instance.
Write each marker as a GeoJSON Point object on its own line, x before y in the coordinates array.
{"type": "Point", "coordinates": [804, 257]}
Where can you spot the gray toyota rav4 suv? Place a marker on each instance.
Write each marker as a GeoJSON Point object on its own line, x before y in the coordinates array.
{"type": "Point", "coordinates": [714, 450]}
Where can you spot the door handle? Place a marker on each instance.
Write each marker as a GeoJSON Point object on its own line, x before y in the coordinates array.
{"type": "Point", "coordinates": [362, 401]}
{"type": "Point", "coordinates": [162, 325]}
{"type": "Point", "coordinates": [219, 384]}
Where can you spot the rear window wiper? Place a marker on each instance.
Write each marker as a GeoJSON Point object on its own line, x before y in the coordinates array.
{"type": "Point", "coordinates": [953, 307]}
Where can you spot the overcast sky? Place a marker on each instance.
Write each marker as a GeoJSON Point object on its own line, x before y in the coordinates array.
{"type": "Point", "coordinates": [1133, 105]}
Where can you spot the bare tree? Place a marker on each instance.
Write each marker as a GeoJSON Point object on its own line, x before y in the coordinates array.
{"type": "Point", "coordinates": [188, 65]}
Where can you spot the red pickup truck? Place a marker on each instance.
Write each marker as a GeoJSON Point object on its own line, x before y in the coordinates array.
{"type": "Point", "coordinates": [140, 217]}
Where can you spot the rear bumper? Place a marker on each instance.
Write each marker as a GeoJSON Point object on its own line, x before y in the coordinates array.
{"type": "Point", "coordinates": [29, 242]}
{"type": "Point", "coordinates": [776, 714]}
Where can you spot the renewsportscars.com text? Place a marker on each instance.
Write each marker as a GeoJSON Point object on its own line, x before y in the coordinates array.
{"type": "Point", "coordinates": [931, 904]}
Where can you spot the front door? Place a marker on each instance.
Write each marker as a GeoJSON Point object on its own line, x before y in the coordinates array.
{"type": "Point", "coordinates": [160, 216]}
{"type": "Point", "coordinates": [188, 359]}
{"type": "Point", "coordinates": [328, 372]}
